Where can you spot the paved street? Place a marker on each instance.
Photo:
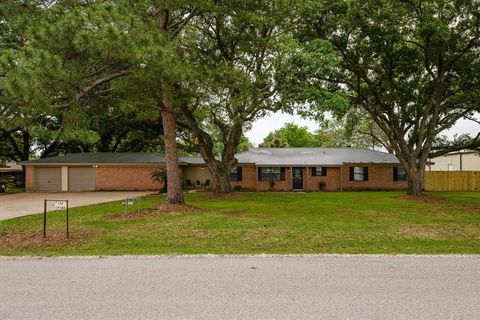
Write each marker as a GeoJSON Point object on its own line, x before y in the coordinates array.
{"type": "Point", "coordinates": [313, 287]}
{"type": "Point", "coordinates": [26, 203]}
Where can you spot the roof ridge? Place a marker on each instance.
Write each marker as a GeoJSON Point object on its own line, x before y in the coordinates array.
{"type": "Point", "coordinates": [340, 148]}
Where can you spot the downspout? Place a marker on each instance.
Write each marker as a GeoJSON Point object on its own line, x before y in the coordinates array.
{"type": "Point", "coordinates": [461, 161]}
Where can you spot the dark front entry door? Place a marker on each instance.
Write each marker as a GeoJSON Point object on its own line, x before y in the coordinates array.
{"type": "Point", "coordinates": [297, 182]}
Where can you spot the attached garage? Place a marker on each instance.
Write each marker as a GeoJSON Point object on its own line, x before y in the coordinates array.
{"type": "Point", "coordinates": [102, 171]}
{"type": "Point", "coordinates": [81, 179]}
{"type": "Point", "coordinates": [48, 179]}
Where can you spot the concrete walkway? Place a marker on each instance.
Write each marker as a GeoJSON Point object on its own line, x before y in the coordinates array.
{"type": "Point", "coordinates": [24, 204]}
{"type": "Point", "coordinates": [249, 287]}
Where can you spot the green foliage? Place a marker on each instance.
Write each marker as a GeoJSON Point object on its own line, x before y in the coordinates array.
{"type": "Point", "coordinates": [160, 176]}
{"type": "Point", "coordinates": [61, 91]}
{"type": "Point", "coordinates": [413, 66]}
{"type": "Point", "coordinates": [237, 59]}
{"type": "Point", "coordinates": [348, 131]}
{"type": "Point", "coordinates": [443, 145]}
{"type": "Point", "coordinates": [290, 135]}
{"type": "Point", "coordinates": [7, 182]}
{"type": "Point", "coordinates": [304, 60]}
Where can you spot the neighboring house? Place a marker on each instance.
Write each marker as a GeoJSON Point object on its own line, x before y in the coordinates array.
{"type": "Point", "coordinates": [465, 160]}
{"type": "Point", "coordinates": [12, 169]}
{"type": "Point", "coordinates": [260, 169]}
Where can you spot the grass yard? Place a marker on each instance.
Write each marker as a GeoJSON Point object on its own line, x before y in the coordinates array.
{"type": "Point", "coordinates": [349, 222]}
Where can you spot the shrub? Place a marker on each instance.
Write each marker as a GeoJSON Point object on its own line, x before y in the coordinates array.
{"type": "Point", "coordinates": [6, 183]}
{"type": "Point", "coordinates": [272, 184]}
{"type": "Point", "coordinates": [160, 175]}
{"type": "Point", "coordinates": [322, 185]}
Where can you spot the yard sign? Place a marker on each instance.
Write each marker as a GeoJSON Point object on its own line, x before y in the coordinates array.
{"type": "Point", "coordinates": [59, 205]}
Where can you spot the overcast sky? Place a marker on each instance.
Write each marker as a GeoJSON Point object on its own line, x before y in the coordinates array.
{"type": "Point", "coordinates": [262, 127]}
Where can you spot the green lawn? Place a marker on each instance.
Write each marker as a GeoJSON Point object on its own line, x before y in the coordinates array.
{"type": "Point", "coordinates": [349, 222]}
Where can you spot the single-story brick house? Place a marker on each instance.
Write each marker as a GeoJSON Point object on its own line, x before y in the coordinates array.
{"type": "Point", "coordinates": [259, 169]}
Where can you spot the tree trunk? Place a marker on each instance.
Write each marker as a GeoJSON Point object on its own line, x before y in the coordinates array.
{"type": "Point", "coordinates": [414, 163]}
{"type": "Point", "coordinates": [221, 176]}
{"type": "Point", "coordinates": [415, 177]}
{"type": "Point", "coordinates": [174, 184]}
{"type": "Point", "coordinates": [25, 156]}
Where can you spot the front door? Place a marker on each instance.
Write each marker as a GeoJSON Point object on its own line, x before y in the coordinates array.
{"type": "Point", "coordinates": [297, 181]}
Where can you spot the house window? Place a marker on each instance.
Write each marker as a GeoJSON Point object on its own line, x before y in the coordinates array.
{"type": "Point", "coordinates": [236, 174]}
{"type": "Point", "coordinates": [358, 173]}
{"type": "Point", "coordinates": [399, 174]}
{"type": "Point", "coordinates": [271, 173]}
{"type": "Point", "coordinates": [319, 171]}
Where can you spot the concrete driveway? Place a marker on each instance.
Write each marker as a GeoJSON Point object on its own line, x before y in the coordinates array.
{"type": "Point", "coordinates": [24, 204]}
{"type": "Point", "coordinates": [249, 287]}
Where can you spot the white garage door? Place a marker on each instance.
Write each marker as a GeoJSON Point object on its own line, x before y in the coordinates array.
{"type": "Point", "coordinates": [81, 179]}
{"type": "Point", "coordinates": [48, 179]}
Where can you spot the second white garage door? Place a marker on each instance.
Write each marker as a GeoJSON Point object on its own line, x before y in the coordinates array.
{"type": "Point", "coordinates": [81, 179]}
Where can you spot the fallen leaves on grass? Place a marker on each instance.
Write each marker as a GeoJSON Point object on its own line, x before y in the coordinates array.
{"type": "Point", "coordinates": [164, 208]}
{"type": "Point", "coordinates": [243, 214]}
{"type": "Point", "coordinates": [472, 209]}
{"type": "Point", "coordinates": [168, 207]}
{"type": "Point", "coordinates": [17, 239]}
{"type": "Point", "coordinates": [225, 196]}
{"type": "Point", "coordinates": [429, 232]}
{"type": "Point", "coordinates": [423, 198]}
{"type": "Point", "coordinates": [440, 232]}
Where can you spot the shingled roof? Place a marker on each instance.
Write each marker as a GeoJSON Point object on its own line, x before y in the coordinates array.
{"type": "Point", "coordinates": [313, 156]}
{"type": "Point", "coordinates": [258, 156]}
{"type": "Point", "coordinates": [102, 157]}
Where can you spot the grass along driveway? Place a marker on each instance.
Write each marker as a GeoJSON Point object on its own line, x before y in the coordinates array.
{"type": "Point", "coordinates": [349, 222]}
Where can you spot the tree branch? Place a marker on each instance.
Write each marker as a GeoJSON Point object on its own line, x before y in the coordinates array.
{"type": "Point", "coordinates": [98, 82]}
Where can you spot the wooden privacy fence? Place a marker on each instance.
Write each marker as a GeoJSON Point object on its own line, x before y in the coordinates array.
{"type": "Point", "coordinates": [452, 181]}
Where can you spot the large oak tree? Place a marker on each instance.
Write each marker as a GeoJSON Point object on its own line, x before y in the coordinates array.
{"type": "Point", "coordinates": [413, 66]}
{"type": "Point", "coordinates": [235, 50]}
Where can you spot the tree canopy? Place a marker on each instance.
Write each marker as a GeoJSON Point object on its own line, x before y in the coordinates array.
{"type": "Point", "coordinates": [340, 132]}
{"type": "Point", "coordinates": [413, 66]}
{"type": "Point", "coordinates": [290, 135]}
{"type": "Point", "coordinates": [160, 74]}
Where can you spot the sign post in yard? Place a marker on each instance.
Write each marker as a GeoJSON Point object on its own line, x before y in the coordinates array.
{"type": "Point", "coordinates": [59, 205]}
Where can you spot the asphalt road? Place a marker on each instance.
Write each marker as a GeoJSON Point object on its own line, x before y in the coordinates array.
{"type": "Point", "coordinates": [312, 287]}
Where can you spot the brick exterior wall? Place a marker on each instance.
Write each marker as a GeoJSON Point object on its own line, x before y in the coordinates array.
{"type": "Point", "coordinates": [380, 177]}
{"type": "Point", "coordinates": [121, 178]}
{"type": "Point", "coordinates": [29, 178]}
{"type": "Point", "coordinates": [249, 179]}
{"type": "Point", "coordinates": [285, 185]}
{"type": "Point", "coordinates": [332, 180]}
{"type": "Point", "coordinates": [278, 186]}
